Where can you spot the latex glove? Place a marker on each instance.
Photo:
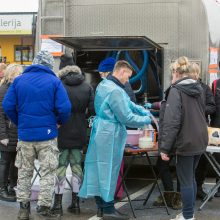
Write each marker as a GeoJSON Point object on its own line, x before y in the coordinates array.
{"type": "Point", "coordinates": [148, 120]}
{"type": "Point", "coordinates": [148, 105]}
{"type": "Point", "coordinates": [4, 141]}
{"type": "Point", "coordinates": [142, 111]}
{"type": "Point", "coordinates": [164, 157]}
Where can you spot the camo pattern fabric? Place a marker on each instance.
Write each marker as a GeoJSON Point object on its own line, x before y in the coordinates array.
{"type": "Point", "coordinates": [47, 154]}
{"type": "Point", "coordinates": [72, 157]}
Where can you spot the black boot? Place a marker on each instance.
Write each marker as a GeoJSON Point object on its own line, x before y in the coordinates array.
{"type": "Point", "coordinates": [24, 212]}
{"type": "Point", "coordinates": [74, 207]}
{"type": "Point", "coordinates": [99, 212]}
{"type": "Point", "coordinates": [11, 191]}
{"type": "Point", "coordinates": [116, 215]}
{"type": "Point", "coordinates": [5, 196]}
{"type": "Point", "coordinates": [45, 211]}
{"type": "Point", "coordinates": [3, 184]}
{"type": "Point", "coordinates": [57, 205]}
{"type": "Point", "coordinates": [200, 193]}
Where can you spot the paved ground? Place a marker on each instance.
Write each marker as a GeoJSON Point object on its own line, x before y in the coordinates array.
{"type": "Point", "coordinates": [138, 189]}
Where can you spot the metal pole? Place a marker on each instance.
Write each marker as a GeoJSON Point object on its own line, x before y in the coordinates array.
{"type": "Point", "coordinates": [40, 24]}
{"type": "Point", "coordinates": [64, 21]}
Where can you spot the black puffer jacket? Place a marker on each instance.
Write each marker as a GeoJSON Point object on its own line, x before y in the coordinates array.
{"type": "Point", "coordinates": [72, 135]}
{"type": "Point", "coordinates": [184, 127]}
{"type": "Point", "coordinates": [7, 129]}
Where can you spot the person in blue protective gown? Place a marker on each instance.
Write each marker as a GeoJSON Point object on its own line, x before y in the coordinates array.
{"type": "Point", "coordinates": [114, 111]}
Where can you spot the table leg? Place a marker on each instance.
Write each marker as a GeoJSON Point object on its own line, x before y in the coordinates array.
{"type": "Point", "coordinates": [156, 183]}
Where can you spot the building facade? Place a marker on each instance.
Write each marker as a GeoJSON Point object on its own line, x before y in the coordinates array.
{"type": "Point", "coordinates": [17, 37]}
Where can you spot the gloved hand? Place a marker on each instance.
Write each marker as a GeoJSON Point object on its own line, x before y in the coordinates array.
{"type": "Point", "coordinates": [4, 141]}
{"type": "Point", "coordinates": [148, 105]}
{"type": "Point", "coordinates": [145, 112]}
{"type": "Point", "coordinates": [148, 120]}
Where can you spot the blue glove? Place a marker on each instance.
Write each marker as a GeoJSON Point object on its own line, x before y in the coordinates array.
{"type": "Point", "coordinates": [148, 105]}
{"type": "Point", "coordinates": [145, 112]}
{"type": "Point", "coordinates": [148, 120]}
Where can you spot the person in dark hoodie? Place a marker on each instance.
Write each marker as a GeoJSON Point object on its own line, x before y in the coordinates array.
{"type": "Point", "coordinates": [73, 136]}
{"type": "Point", "coordinates": [184, 131]}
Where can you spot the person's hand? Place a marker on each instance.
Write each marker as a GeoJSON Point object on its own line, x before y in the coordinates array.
{"type": "Point", "coordinates": [58, 126]}
{"type": "Point", "coordinates": [145, 112]}
{"type": "Point", "coordinates": [164, 156]}
{"type": "Point", "coordinates": [4, 141]}
{"type": "Point", "coordinates": [148, 120]}
{"type": "Point", "coordinates": [148, 105]}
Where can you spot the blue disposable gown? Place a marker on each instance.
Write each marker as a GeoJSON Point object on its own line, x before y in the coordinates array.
{"type": "Point", "coordinates": [114, 111]}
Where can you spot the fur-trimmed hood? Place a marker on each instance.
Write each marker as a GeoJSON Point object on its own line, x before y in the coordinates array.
{"type": "Point", "coordinates": [71, 75]}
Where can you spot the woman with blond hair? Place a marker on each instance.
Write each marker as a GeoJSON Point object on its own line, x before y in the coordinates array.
{"type": "Point", "coordinates": [2, 69]}
{"type": "Point", "coordinates": [184, 131]}
{"type": "Point", "coordinates": [8, 140]}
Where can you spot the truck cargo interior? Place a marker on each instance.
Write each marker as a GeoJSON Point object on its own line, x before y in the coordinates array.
{"type": "Point", "coordinates": [145, 56]}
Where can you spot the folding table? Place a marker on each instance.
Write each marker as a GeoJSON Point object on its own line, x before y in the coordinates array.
{"type": "Point", "coordinates": [145, 155]}
{"type": "Point", "coordinates": [216, 166]}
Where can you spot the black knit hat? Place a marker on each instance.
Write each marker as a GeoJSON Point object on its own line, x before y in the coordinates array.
{"type": "Point", "coordinates": [66, 60]}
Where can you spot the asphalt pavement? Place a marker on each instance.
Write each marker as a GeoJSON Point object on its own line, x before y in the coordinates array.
{"type": "Point", "coordinates": [138, 189]}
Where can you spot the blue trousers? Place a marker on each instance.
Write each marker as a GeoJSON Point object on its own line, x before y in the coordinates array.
{"type": "Point", "coordinates": [186, 168]}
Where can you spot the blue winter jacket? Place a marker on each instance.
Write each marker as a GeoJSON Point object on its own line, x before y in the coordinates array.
{"type": "Point", "coordinates": [36, 102]}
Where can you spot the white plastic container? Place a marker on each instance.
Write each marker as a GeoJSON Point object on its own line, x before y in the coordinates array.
{"type": "Point", "coordinates": [145, 142]}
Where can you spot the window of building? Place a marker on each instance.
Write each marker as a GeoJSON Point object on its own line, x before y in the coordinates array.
{"type": "Point", "coordinates": [23, 53]}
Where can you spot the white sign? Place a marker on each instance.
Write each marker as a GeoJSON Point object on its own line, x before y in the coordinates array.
{"type": "Point", "coordinates": [51, 46]}
{"type": "Point", "coordinates": [16, 24]}
{"type": "Point", "coordinates": [213, 77]}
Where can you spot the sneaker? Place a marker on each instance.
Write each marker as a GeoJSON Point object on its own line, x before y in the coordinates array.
{"type": "Point", "coordinates": [180, 217]}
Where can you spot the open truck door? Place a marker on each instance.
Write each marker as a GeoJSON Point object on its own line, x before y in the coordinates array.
{"type": "Point", "coordinates": [143, 54]}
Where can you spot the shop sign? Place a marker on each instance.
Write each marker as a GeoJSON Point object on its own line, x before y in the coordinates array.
{"type": "Point", "coordinates": [16, 24]}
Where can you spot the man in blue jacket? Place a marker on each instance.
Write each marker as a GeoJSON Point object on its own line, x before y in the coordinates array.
{"type": "Point", "coordinates": [37, 103]}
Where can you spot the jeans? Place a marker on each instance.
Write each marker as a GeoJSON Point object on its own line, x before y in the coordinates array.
{"type": "Point", "coordinates": [186, 168]}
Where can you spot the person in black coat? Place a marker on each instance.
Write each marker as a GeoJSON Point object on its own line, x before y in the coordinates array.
{"type": "Point", "coordinates": [210, 109]}
{"type": "Point", "coordinates": [8, 140]}
{"type": "Point", "coordinates": [183, 131]}
{"type": "Point", "coordinates": [73, 135]}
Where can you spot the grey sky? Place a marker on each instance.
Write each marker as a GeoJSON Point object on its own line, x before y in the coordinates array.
{"type": "Point", "coordinates": [19, 6]}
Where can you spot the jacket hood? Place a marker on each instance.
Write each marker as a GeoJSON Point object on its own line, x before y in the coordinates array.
{"type": "Point", "coordinates": [38, 68]}
{"type": "Point", "coordinates": [189, 86]}
{"type": "Point", "coordinates": [71, 75]}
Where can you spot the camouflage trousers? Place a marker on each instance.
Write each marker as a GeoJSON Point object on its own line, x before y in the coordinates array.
{"type": "Point", "coordinates": [47, 154]}
{"type": "Point", "coordinates": [74, 158]}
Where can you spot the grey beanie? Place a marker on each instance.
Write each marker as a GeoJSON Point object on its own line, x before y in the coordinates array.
{"type": "Point", "coordinates": [44, 58]}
